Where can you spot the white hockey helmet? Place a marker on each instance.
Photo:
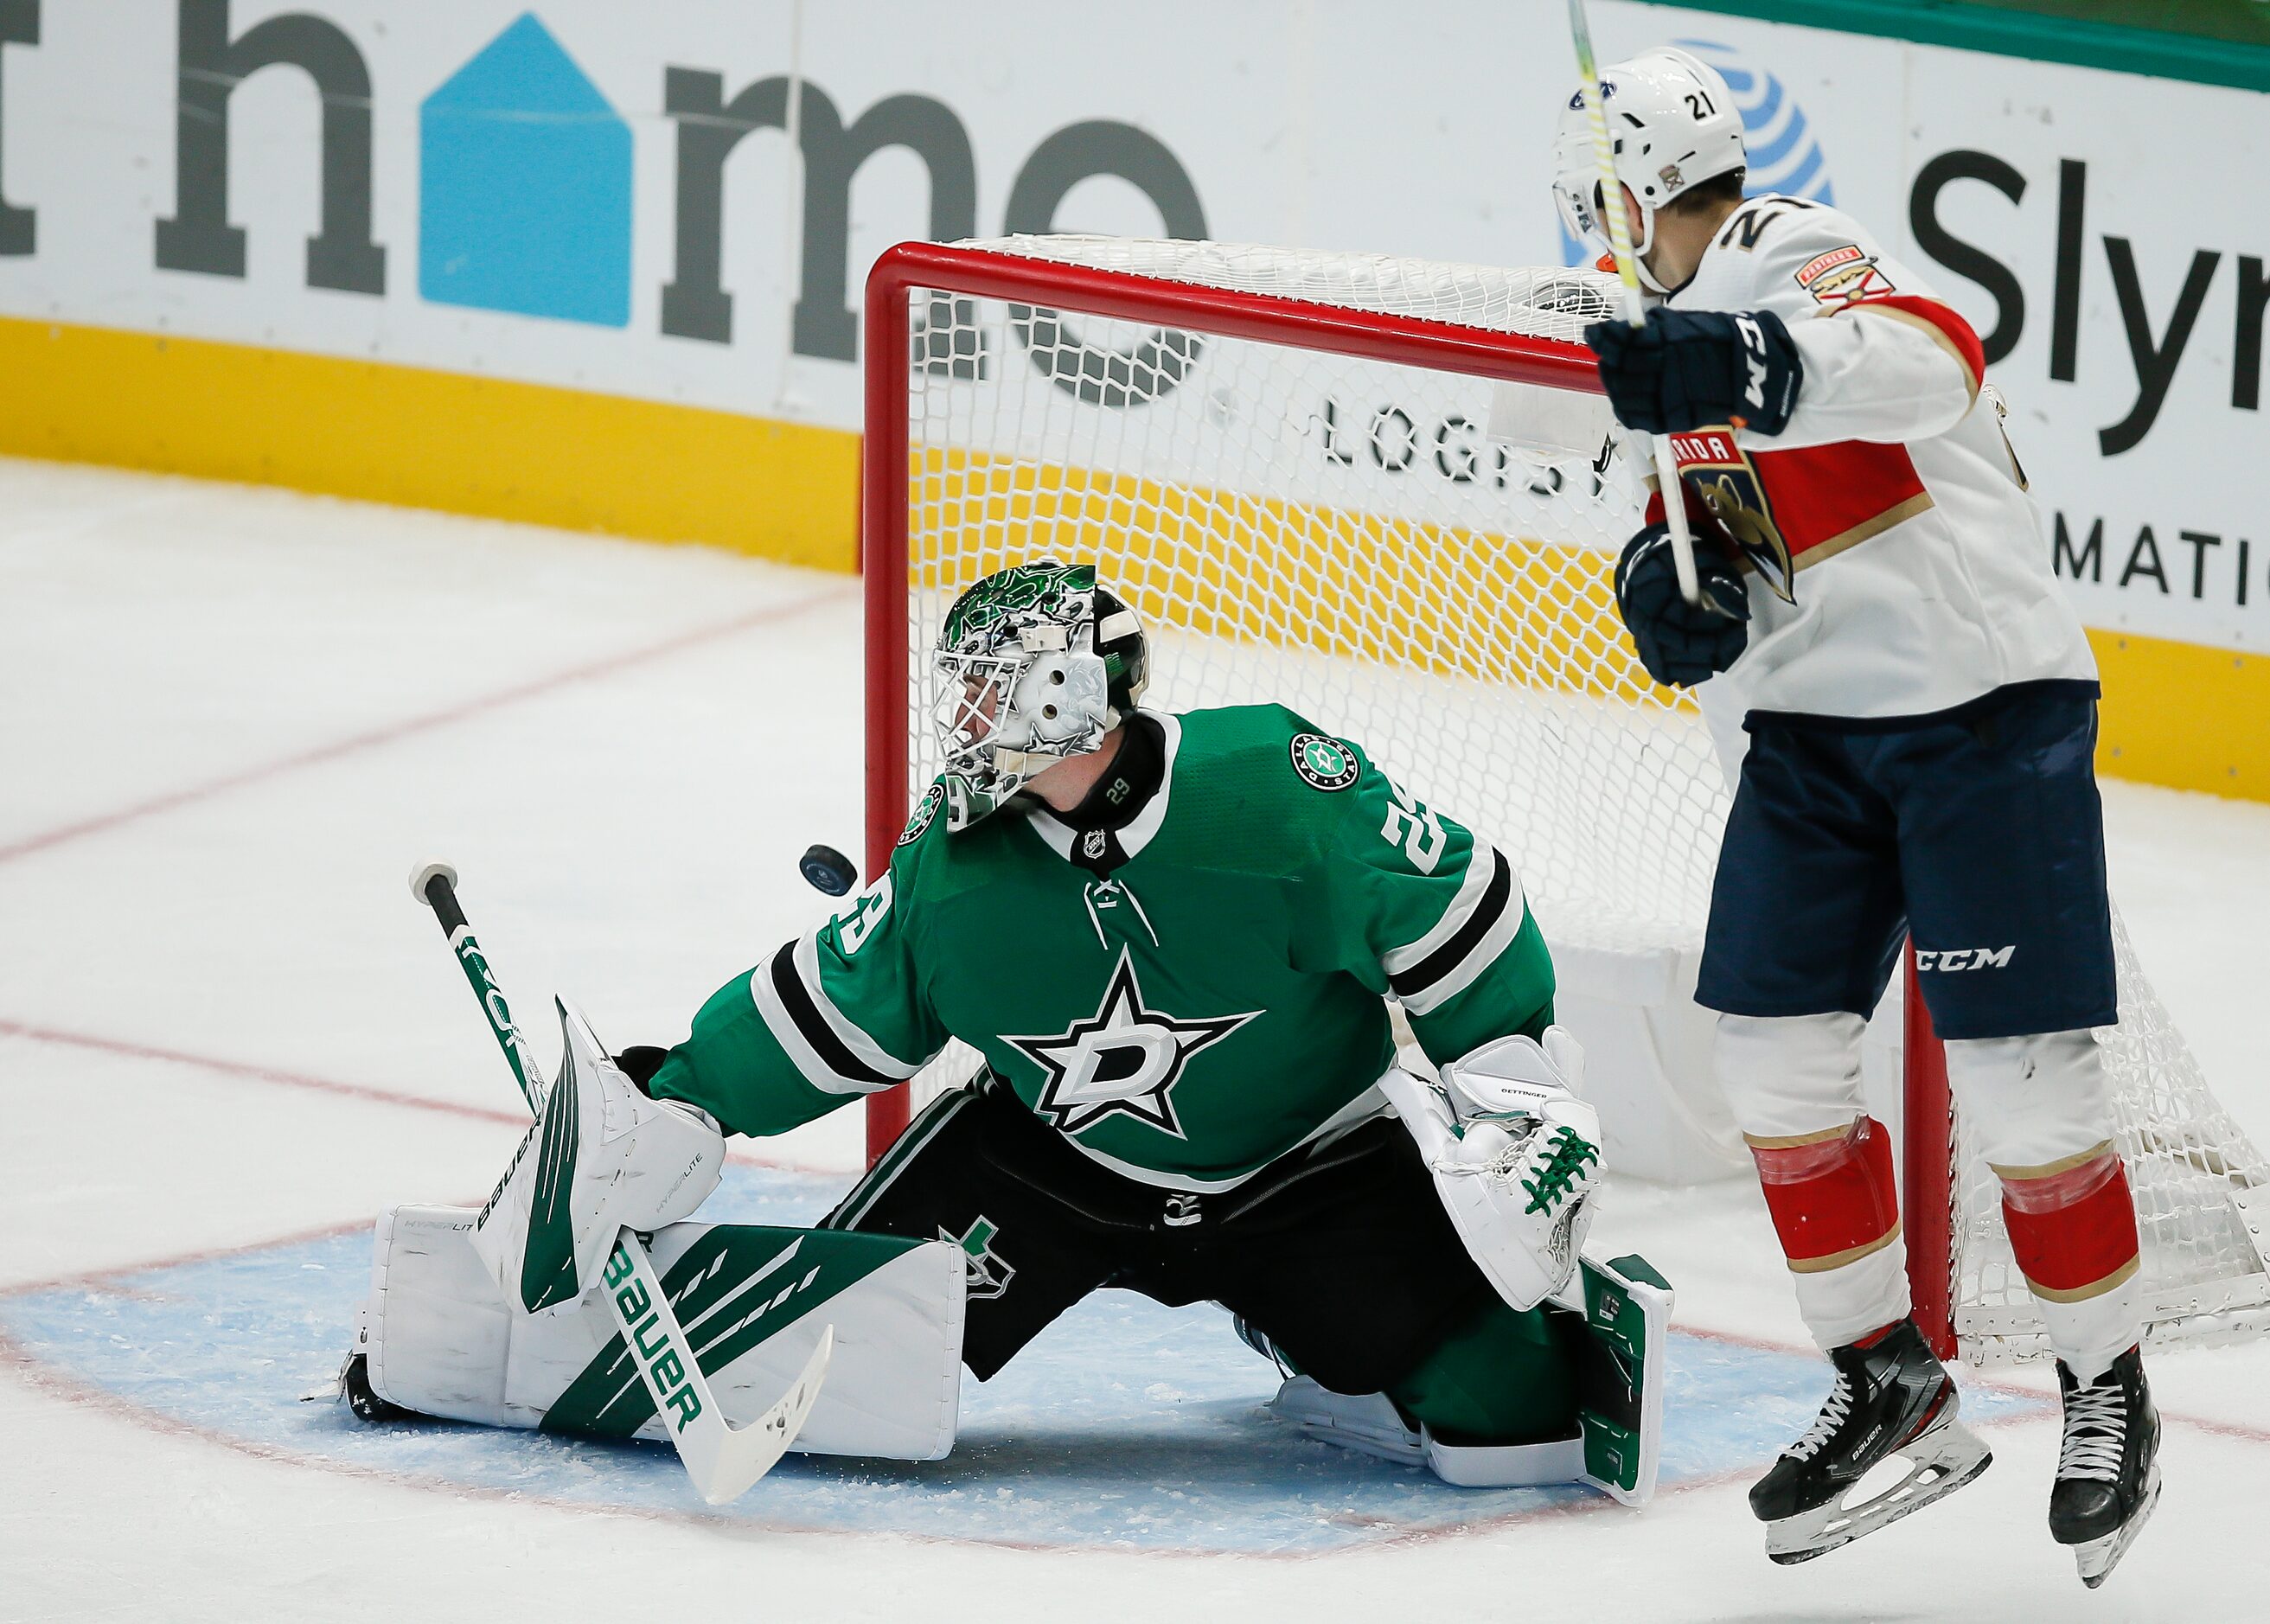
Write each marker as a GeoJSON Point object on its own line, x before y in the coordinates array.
{"type": "Point", "coordinates": [1675, 124]}
{"type": "Point", "coordinates": [1036, 664]}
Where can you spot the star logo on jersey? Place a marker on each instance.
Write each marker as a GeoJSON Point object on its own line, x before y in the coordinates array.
{"type": "Point", "coordinates": [1123, 1061]}
{"type": "Point", "coordinates": [1324, 763]}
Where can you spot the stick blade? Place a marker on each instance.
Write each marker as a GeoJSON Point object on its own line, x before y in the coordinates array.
{"type": "Point", "coordinates": [742, 1455]}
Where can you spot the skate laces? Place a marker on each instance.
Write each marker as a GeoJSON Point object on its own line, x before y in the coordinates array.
{"type": "Point", "coordinates": [1569, 1154]}
{"type": "Point", "coordinates": [2096, 1432]}
{"type": "Point", "coordinates": [1824, 1425]}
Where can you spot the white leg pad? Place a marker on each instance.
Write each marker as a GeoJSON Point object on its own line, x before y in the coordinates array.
{"type": "Point", "coordinates": [1369, 1424]}
{"type": "Point", "coordinates": [442, 1339]}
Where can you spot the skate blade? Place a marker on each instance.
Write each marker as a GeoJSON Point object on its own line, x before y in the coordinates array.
{"type": "Point", "coordinates": [2098, 1558]}
{"type": "Point", "coordinates": [1939, 1462]}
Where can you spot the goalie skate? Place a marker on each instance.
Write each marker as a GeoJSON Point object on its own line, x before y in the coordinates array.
{"type": "Point", "coordinates": [1891, 1400]}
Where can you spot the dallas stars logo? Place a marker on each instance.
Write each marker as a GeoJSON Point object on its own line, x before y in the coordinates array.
{"type": "Point", "coordinates": [1325, 763]}
{"type": "Point", "coordinates": [1124, 1060]}
{"type": "Point", "coordinates": [985, 1272]}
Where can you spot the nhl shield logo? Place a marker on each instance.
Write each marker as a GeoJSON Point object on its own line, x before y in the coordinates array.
{"type": "Point", "coordinates": [1718, 470]}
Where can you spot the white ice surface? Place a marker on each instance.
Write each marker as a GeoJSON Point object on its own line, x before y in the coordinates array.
{"type": "Point", "coordinates": [232, 720]}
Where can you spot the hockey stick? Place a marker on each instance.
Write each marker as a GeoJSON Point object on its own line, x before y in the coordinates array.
{"type": "Point", "coordinates": [724, 1461]}
{"type": "Point", "coordinates": [1619, 245]}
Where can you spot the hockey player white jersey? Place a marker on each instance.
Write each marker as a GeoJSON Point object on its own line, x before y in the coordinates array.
{"type": "Point", "coordinates": [1895, 562]}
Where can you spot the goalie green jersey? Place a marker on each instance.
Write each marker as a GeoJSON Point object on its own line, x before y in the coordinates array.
{"type": "Point", "coordinates": [1185, 997]}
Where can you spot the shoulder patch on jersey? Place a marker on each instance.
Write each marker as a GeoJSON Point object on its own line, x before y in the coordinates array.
{"type": "Point", "coordinates": [925, 809]}
{"type": "Point", "coordinates": [1324, 763]}
{"type": "Point", "coordinates": [1843, 274]}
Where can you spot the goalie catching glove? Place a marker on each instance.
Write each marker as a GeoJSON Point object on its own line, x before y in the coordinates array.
{"type": "Point", "coordinates": [1515, 1156]}
{"type": "Point", "coordinates": [601, 1157]}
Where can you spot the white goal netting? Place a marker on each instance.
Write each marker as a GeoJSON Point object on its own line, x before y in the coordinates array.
{"type": "Point", "coordinates": [1419, 558]}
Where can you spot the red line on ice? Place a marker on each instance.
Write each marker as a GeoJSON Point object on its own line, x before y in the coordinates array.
{"type": "Point", "coordinates": [322, 1085]}
{"type": "Point", "coordinates": [395, 730]}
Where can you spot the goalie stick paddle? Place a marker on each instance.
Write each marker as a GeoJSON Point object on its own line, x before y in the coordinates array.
{"type": "Point", "coordinates": [1619, 245]}
{"type": "Point", "coordinates": [724, 1461]}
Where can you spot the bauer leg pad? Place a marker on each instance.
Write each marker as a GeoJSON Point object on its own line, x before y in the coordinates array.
{"type": "Point", "coordinates": [1607, 1380]}
{"type": "Point", "coordinates": [442, 1339]}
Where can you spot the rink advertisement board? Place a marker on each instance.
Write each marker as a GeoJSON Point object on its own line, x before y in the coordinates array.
{"type": "Point", "coordinates": [600, 266]}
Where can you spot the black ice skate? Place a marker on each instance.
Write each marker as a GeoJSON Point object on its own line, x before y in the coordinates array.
{"type": "Point", "coordinates": [1891, 1398]}
{"type": "Point", "coordinates": [2108, 1476]}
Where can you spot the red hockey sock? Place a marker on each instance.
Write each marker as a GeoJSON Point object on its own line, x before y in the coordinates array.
{"type": "Point", "coordinates": [1831, 1194]}
{"type": "Point", "coordinates": [2073, 1224]}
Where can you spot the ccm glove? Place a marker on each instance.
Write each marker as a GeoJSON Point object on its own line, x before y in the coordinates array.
{"type": "Point", "coordinates": [1691, 368]}
{"type": "Point", "coordinates": [1681, 643]}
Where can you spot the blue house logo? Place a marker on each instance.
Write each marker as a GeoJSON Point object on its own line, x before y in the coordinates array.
{"type": "Point", "coordinates": [1785, 155]}
{"type": "Point", "coordinates": [524, 189]}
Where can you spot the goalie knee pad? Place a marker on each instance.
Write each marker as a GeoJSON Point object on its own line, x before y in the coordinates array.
{"type": "Point", "coordinates": [2040, 1108]}
{"type": "Point", "coordinates": [601, 1157]}
{"type": "Point", "coordinates": [441, 1340]}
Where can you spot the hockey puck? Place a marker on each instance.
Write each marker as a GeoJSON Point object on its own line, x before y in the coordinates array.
{"type": "Point", "coordinates": [828, 870]}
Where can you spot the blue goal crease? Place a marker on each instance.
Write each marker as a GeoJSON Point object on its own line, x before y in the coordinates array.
{"type": "Point", "coordinates": [1126, 1425]}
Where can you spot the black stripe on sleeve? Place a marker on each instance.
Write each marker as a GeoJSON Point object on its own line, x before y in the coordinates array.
{"type": "Point", "coordinates": [796, 999]}
{"type": "Point", "coordinates": [1468, 936]}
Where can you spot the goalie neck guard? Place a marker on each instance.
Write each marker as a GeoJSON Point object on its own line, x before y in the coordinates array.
{"type": "Point", "coordinates": [1675, 124]}
{"type": "Point", "coordinates": [1035, 663]}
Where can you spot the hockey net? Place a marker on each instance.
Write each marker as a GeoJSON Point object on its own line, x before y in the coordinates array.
{"type": "Point", "coordinates": [1377, 491]}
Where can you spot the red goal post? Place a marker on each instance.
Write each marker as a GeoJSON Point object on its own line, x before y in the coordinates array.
{"type": "Point", "coordinates": [925, 349]}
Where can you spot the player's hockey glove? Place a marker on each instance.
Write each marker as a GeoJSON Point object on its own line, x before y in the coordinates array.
{"type": "Point", "coordinates": [1515, 1156]}
{"type": "Point", "coordinates": [1681, 643]}
{"type": "Point", "coordinates": [1692, 368]}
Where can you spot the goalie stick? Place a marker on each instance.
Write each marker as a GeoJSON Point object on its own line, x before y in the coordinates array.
{"type": "Point", "coordinates": [724, 1461]}
{"type": "Point", "coordinates": [1619, 245]}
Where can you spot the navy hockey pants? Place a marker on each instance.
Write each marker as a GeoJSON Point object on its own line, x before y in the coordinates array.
{"type": "Point", "coordinates": [1979, 828]}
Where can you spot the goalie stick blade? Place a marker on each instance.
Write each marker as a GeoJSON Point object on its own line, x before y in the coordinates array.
{"type": "Point", "coordinates": [723, 1460]}
{"type": "Point", "coordinates": [726, 1463]}
{"type": "Point", "coordinates": [2098, 1558]}
{"type": "Point", "coordinates": [1939, 1462]}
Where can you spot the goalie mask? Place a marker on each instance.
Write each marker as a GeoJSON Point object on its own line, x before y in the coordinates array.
{"type": "Point", "coordinates": [1035, 663]}
{"type": "Point", "coordinates": [1675, 124]}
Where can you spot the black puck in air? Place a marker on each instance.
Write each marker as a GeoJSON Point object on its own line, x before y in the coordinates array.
{"type": "Point", "coordinates": [829, 870]}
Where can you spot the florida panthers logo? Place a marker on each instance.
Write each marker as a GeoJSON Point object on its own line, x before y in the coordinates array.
{"type": "Point", "coordinates": [1123, 1061]}
{"type": "Point", "coordinates": [1720, 472]}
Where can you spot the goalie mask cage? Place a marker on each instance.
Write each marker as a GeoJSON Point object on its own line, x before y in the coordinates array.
{"type": "Point", "coordinates": [1376, 491]}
